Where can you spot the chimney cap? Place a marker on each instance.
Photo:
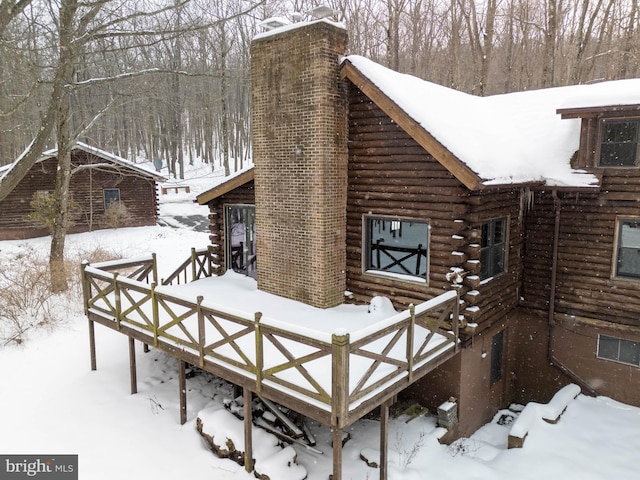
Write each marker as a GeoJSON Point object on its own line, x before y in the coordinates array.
{"type": "Point", "coordinates": [321, 12]}
{"type": "Point", "coordinates": [273, 22]}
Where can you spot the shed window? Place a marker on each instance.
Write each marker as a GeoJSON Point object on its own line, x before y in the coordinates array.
{"type": "Point", "coordinates": [619, 143]}
{"type": "Point", "coordinates": [396, 246]}
{"type": "Point", "coordinates": [111, 195]}
{"type": "Point", "coordinates": [628, 249]}
{"type": "Point", "coordinates": [492, 248]}
{"type": "Point", "coordinates": [619, 350]}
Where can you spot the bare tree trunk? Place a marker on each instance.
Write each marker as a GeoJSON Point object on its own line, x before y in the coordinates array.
{"type": "Point", "coordinates": [68, 9]}
{"type": "Point", "coordinates": [550, 44]}
{"type": "Point", "coordinates": [224, 134]}
{"type": "Point", "coordinates": [629, 63]}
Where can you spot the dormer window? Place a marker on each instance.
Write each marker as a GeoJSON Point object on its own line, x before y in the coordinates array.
{"type": "Point", "coordinates": [609, 136]}
{"type": "Point", "coordinates": [619, 142]}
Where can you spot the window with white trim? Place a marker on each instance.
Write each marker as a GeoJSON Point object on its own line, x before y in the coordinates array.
{"type": "Point", "coordinates": [396, 245]}
{"type": "Point", "coordinates": [619, 350]}
{"type": "Point", "coordinates": [628, 248]}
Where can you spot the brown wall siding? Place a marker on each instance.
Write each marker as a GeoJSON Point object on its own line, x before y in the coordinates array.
{"type": "Point", "coordinates": [136, 192]}
{"type": "Point", "coordinates": [538, 251]}
{"type": "Point", "coordinates": [501, 294]}
{"type": "Point", "coordinates": [606, 377]}
{"type": "Point", "coordinates": [586, 249]}
{"type": "Point", "coordinates": [244, 195]}
{"type": "Point", "coordinates": [586, 252]}
{"type": "Point", "coordinates": [390, 174]}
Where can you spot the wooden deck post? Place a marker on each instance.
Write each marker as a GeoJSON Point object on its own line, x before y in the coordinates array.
{"type": "Point", "coordinates": [248, 432]}
{"type": "Point", "coordinates": [337, 453]}
{"type": "Point", "coordinates": [201, 332]}
{"type": "Point", "coordinates": [182, 384]}
{"type": "Point", "coordinates": [259, 353]}
{"type": "Point", "coordinates": [155, 268]}
{"type": "Point", "coordinates": [410, 340]}
{"type": "Point", "coordinates": [92, 344]}
{"type": "Point", "coordinates": [132, 365]}
{"type": "Point", "coordinates": [339, 395]}
{"type": "Point", "coordinates": [193, 265]}
{"type": "Point", "coordinates": [118, 304]}
{"type": "Point", "coordinates": [384, 438]}
{"type": "Point", "coordinates": [155, 315]}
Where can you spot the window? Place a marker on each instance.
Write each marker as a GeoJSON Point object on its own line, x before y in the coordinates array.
{"type": "Point", "coordinates": [396, 246]}
{"type": "Point", "coordinates": [110, 195]}
{"type": "Point", "coordinates": [497, 347]}
{"type": "Point", "coordinates": [492, 248]}
{"type": "Point", "coordinates": [619, 350]}
{"type": "Point", "coordinates": [619, 143]}
{"type": "Point", "coordinates": [628, 251]}
{"type": "Point", "coordinates": [240, 239]}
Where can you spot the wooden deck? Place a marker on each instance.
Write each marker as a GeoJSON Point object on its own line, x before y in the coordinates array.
{"type": "Point", "coordinates": [334, 377]}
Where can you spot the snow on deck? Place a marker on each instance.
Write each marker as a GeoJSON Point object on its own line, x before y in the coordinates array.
{"type": "Point", "coordinates": [296, 340]}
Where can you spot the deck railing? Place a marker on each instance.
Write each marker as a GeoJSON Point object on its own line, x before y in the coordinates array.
{"type": "Point", "coordinates": [333, 372]}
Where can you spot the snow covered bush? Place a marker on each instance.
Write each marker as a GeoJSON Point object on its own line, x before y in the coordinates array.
{"type": "Point", "coordinates": [26, 301]}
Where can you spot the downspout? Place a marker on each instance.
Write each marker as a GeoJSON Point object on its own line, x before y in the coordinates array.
{"type": "Point", "coordinates": [552, 302]}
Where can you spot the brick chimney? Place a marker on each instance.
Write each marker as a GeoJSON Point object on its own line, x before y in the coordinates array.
{"type": "Point", "coordinates": [299, 123]}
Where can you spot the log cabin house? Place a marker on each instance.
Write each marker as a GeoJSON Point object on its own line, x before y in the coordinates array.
{"type": "Point", "coordinates": [368, 182]}
{"type": "Point", "coordinates": [101, 179]}
{"type": "Point", "coordinates": [502, 229]}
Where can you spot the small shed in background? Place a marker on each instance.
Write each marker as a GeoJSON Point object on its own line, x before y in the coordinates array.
{"type": "Point", "coordinates": [107, 191]}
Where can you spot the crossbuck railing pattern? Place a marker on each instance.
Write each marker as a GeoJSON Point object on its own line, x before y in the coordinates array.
{"type": "Point", "coordinates": [335, 371]}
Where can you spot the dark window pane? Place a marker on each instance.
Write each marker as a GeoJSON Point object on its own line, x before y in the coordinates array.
{"type": "Point", "coordinates": [629, 352]}
{"type": "Point", "coordinates": [485, 234]}
{"type": "Point", "coordinates": [498, 231]}
{"type": "Point", "coordinates": [492, 248]}
{"type": "Point", "coordinates": [111, 195]}
{"type": "Point", "coordinates": [608, 347]}
{"type": "Point", "coordinates": [619, 143]}
{"type": "Point", "coordinates": [618, 155]}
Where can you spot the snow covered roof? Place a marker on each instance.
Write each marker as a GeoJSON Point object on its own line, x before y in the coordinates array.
{"type": "Point", "coordinates": [503, 139]}
{"type": "Point", "coordinates": [110, 157]}
{"type": "Point", "coordinates": [229, 183]}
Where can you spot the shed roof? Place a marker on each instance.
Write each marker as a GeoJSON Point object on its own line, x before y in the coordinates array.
{"type": "Point", "coordinates": [109, 157]}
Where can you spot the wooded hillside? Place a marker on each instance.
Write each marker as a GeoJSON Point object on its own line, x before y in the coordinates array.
{"type": "Point", "coordinates": [175, 85]}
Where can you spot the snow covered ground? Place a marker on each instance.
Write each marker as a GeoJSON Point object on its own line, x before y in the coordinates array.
{"type": "Point", "coordinates": [52, 403]}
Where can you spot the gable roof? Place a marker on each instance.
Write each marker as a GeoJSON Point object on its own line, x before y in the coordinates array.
{"type": "Point", "coordinates": [235, 180]}
{"type": "Point", "coordinates": [512, 138]}
{"type": "Point", "coordinates": [109, 157]}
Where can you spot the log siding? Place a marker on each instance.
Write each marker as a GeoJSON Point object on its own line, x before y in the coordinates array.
{"type": "Point", "coordinates": [390, 175]}
{"type": "Point", "coordinates": [137, 193]}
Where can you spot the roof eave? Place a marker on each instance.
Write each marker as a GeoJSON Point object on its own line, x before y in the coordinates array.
{"type": "Point", "coordinates": [225, 187]}
{"type": "Point", "coordinates": [447, 159]}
